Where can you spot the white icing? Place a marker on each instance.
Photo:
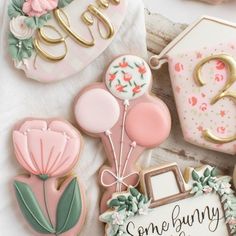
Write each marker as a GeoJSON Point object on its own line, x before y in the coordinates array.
{"type": "Point", "coordinates": [128, 77]}
{"type": "Point", "coordinates": [187, 207]}
{"type": "Point", "coordinates": [164, 185]}
{"type": "Point", "coordinates": [19, 29]}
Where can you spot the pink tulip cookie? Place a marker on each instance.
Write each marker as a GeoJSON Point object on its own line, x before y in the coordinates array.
{"type": "Point", "coordinates": [50, 198]}
{"type": "Point", "coordinates": [126, 117]}
{"type": "Point", "coordinates": [48, 35]}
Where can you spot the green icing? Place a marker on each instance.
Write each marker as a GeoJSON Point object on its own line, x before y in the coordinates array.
{"type": "Point", "coordinates": [31, 209]}
{"type": "Point", "coordinates": [43, 177]}
{"type": "Point", "coordinates": [124, 207]}
{"type": "Point", "coordinates": [37, 22]}
{"type": "Point", "coordinates": [210, 182]}
{"type": "Point", "coordinates": [64, 3]}
{"type": "Point", "coordinates": [20, 49]}
{"type": "Point", "coordinates": [69, 207]}
{"type": "Point", "coordinates": [15, 8]}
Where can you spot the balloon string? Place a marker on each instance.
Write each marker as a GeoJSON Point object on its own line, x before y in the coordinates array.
{"type": "Point", "coordinates": [119, 180]}
{"type": "Point", "coordinates": [126, 104]}
{"type": "Point", "coordinates": [132, 147]}
{"type": "Point", "coordinates": [108, 133]}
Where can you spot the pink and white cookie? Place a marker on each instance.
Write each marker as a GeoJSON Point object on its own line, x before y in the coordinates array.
{"type": "Point", "coordinates": [51, 199]}
{"type": "Point", "coordinates": [121, 112]}
{"type": "Point", "coordinates": [48, 35]}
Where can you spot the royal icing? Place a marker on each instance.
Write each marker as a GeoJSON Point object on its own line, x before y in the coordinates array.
{"type": "Point", "coordinates": [199, 108]}
{"type": "Point", "coordinates": [127, 123]}
{"type": "Point", "coordinates": [128, 77]}
{"type": "Point", "coordinates": [48, 150]}
{"type": "Point", "coordinates": [202, 205]}
{"type": "Point", "coordinates": [47, 36]}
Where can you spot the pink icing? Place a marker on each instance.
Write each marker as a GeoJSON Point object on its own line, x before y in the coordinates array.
{"type": "Point", "coordinates": [46, 148]}
{"type": "Point", "coordinates": [122, 148]}
{"type": "Point", "coordinates": [97, 110]}
{"type": "Point", "coordinates": [49, 149]}
{"type": "Point", "coordinates": [39, 7]}
{"type": "Point", "coordinates": [196, 113]}
{"type": "Point", "coordinates": [43, 70]}
{"type": "Point", "coordinates": [147, 125]}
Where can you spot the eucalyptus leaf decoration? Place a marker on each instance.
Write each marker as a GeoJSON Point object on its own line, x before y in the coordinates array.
{"type": "Point", "coordinates": [38, 22]}
{"type": "Point", "coordinates": [124, 206]}
{"type": "Point", "coordinates": [20, 49]}
{"type": "Point", "coordinates": [64, 3]}
{"type": "Point", "coordinates": [15, 8]}
{"type": "Point", "coordinates": [209, 182]}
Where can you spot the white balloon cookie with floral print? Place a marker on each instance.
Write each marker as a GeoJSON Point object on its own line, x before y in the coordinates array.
{"type": "Point", "coordinates": [122, 112]}
{"type": "Point", "coordinates": [50, 198]}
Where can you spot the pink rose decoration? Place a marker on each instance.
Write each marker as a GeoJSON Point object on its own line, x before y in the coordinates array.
{"type": "Point", "coordinates": [39, 7]}
{"type": "Point", "coordinates": [47, 149]}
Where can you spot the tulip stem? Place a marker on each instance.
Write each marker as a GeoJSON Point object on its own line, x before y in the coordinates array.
{"type": "Point", "coordinates": [45, 202]}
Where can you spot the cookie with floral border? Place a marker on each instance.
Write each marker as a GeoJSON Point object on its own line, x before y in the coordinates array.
{"type": "Point", "coordinates": [46, 36]}
{"type": "Point", "coordinates": [49, 196]}
{"type": "Point", "coordinates": [126, 117]}
{"type": "Point", "coordinates": [204, 205]}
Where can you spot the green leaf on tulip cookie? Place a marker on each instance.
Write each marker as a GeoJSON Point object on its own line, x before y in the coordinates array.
{"type": "Point", "coordinates": [64, 3]}
{"type": "Point", "coordinates": [31, 209]}
{"type": "Point", "coordinates": [69, 207]}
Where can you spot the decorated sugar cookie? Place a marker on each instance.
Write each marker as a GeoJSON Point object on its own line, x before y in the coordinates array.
{"type": "Point", "coordinates": [204, 205]}
{"type": "Point", "coordinates": [60, 35]}
{"type": "Point", "coordinates": [50, 198]}
{"type": "Point", "coordinates": [203, 75]}
{"type": "Point", "coordinates": [126, 117]}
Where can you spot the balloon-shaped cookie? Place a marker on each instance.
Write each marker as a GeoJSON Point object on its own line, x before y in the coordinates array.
{"type": "Point", "coordinates": [126, 117]}
{"type": "Point", "coordinates": [50, 198]}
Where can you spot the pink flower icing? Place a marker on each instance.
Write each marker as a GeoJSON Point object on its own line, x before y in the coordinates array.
{"type": "Point", "coordinates": [46, 148]}
{"type": "Point", "coordinates": [39, 7]}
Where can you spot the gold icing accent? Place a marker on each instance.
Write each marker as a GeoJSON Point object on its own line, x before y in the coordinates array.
{"type": "Point", "coordinates": [66, 27]}
{"type": "Point", "coordinates": [94, 11]}
{"type": "Point", "coordinates": [88, 18]}
{"type": "Point", "coordinates": [223, 93]}
{"type": "Point", "coordinates": [43, 38]}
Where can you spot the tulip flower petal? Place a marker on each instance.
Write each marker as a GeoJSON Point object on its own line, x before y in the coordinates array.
{"type": "Point", "coordinates": [21, 151]}
{"type": "Point", "coordinates": [63, 127]}
{"type": "Point", "coordinates": [69, 157]}
{"type": "Point", "coordinates": [46, 147]}
{"type": "Point", "coordinates": [33, 124]}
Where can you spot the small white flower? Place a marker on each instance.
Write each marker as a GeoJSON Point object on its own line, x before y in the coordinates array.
{"type": "Point", "coordinates": [19, 29]}
{"type": "Point", "coordinates": [20, 64]}
{"type": "Point", "coordinates": [207, 189]}
{"type": "Point", "coordinates": [118, 219]}
{"type": "Point", "coordinates": [225, 188]}
{"type": "Point", "coordinates": [143, 210]}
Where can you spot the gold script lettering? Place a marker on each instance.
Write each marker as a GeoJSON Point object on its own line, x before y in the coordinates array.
{"type": "Point", "coordinates": [223, 93]}
{"type": "Point", "coordinates": [42, 37]}
{"type": "Point", "coordinates": [88, 18]}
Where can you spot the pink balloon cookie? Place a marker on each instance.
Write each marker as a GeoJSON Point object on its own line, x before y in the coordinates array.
{"type": "Point", "coordinates": [51, 200]}
{"type": "Point", "coordinates": [126, 117]}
